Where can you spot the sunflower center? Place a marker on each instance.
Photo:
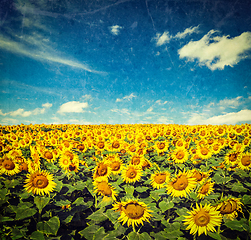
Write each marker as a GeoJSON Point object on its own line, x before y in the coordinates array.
{"type": "Point", "coordinates": [131, 173]}
{"type": "Point", "coordinates": [65, 162]}
{"type": "Point", "coordinates": [228, 207]}
{"type": "Point", "coordinates": [72, 167]}
{"type": "Point", "coordinates": [135, 160]}
{"type": "Point", "coordinates": [48, 155]}
{"type": "Point", "coordinates": [160, 178]}
{"type": "Point", "coordinates": [81, 147]}
{"type": "Point", "coordinates": [161, 146]}
{"type": "Point", "coordinates": [204, 151]}
{"type": "Point", "coordinates": [132, 148]}
{"type": "Point", "coordinates": [246, 160]}
{"type": "Point", "coordinates": [204, 189]}
{"type": "Point", "coordinates": [115, 166]}
{"type": "Point", "coordinates": [116, 144]}
{"type": "Point", "coordinates": [232, 157]}
{"type": "Point", "coordinates": [102, 170]}
{"type": "Point", "coordinates": [8, 164]}
{"type": "Point", "coordinates": [101, 145]}
{"type": "Point", "coordinates": [202, 218]}
{"type": "Point", "coordinates": [105, 189]}
{"type": "Point", "coordinates": [198, 176]}
{"type": "Point", "coordinates": [40, 181]}
{"type": "Point", "coordinates": [134, 211]}
{"type": "Point", "coordinates": [181, 183]}
{"type": "Point", "coordinates": [180, 155]}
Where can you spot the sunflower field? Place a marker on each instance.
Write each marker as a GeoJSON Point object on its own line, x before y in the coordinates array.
{"type": "Point", "coordinates": [138, 181]}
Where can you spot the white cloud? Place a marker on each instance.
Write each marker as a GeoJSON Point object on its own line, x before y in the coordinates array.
{"type": "Point", "coordinates": [163, 39]}
{"type": "Point", "coordinates": [121, 111]}
{"type": "Point", "coordinates": [20, 112]}
{"type": "Point", "coordinates": [217, 52]}
{"type": "Point", "coordinates": [164, 120]}
{"type": "Point", "coordinates": [228, 118]}
{"type": "Point", "coordinates": [150, 109]}
{"type": "Point", "coordinates": [73, 106]}
{"type": "Point", "coordinates": [47, 105]}
{"type": "Point", "coordinates": [1, 113]}
{"type": "Point", "coordinates": [166, 37]}
{"type": "Point", "coordinates": [9, 121]}
{"type": "Point", "coordinates": [232, 103]}
{"type": "Point", "coordinates": [188, 31]}
{"type": "Point", "coordinates": [127, 98]}
{"type": "Point", "coordinates": [115, 29]}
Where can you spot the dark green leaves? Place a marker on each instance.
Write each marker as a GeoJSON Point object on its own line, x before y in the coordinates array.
{"type": "Point", "coordinates": [49, 227]}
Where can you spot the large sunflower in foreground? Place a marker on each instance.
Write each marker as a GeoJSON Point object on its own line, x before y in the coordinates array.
{"type": "Point", "coordinates": [203, 219]}
{"type": "Point", "coordinates": [181, 185]}
{"type": "Point", "coordinates": [132, 212]}
{"type": "Point", "coordinates": [40, 183]}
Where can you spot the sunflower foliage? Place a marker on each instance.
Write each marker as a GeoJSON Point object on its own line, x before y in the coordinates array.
{"type": "Point", "coordinates": [139, 181]}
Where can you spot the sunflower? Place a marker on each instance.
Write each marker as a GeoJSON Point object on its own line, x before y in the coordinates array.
{"type": "Point", "coordinates": [204, 152]}
{"type": "Point", "coordinates": [161, 146]}
{"type": "Point", "coordinates": [33, 166]}
{"type": "Point", "coordinates": [137, 160]}
{"type": "Point", "coordinates": [131, 174]}
{"type": "Point", "coordinates": [40, 182]}
{"type": "Point", "coordinates": [231, 158]}
{"type": "Point", "coordinates": [9, 167]}
{"type": "Point", "coordinates": [181, 185]}
{"type": "Point", "coordinates": [102, 187]}
{"type": "Point", "coordinates": [101, 171]}
{"type": "Point", "coordinates": [64, 162]}
{"type": "Point", "coordinates": [203, 219]}
{"type": "Point", "coordinates": [199, 176]}
{"type": "Point", "coordinates": [205, 189]}
{"type": "Point", "coordinates": [180, 155]}
{"type": "Point", "coordinates": [132, 212]}
{"type": "Point", "coordinates": [244, 161]}
{"type": "Point", "coordinates": [116, 165]}
{"type": "Point", "coordinates": [159, 179]}
{"type": "Point", "coordinates": [230, 207]}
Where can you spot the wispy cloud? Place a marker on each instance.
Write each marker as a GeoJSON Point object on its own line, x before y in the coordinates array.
{"type": "Point", "coordinates": [228, 118]}
{"type": "Point", "coordinates": [9, 121]}
{"type": "Point", "coordinates": [216, 52]}
{"type": "Point", "coordinates": [126, 98]}
{"type": "Point", "coordinates": [73, 106]}
{"type": "Point", "coordinates": [21, 112]}
{"type": "Point", "coordinates": [166, 37]}
{"type": "Point", "coordinates": [115, 29]}
{"type": "Point", "coordinates": [121, 111]}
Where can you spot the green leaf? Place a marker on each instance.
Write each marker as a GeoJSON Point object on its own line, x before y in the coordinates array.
{"type": "Point", "coordinates": [129, 190]}
{"type": "Point", "coordinates": [173, 234]}
{"type": "Point", "coordinates": [218, 178]}
{"type": "Point", "coordinates": [100, 234]}
{"type": "Point", "coordinates": [119, 230]}
{"type": "Point", "coordinates": [155, 196]}
{"type": "Point", "coordinates": [80, 185]}
{"type": "Point", "coordinates": [49, 227]}
{"type": "Point", "coordinates": [23, 212]}
{"type": "Point", "coordinates": [112, 215]}
{"type": "Point", "coordinates": [3, 193]}
{"type": "Point", "coordinates": [238, 187]}
{"type": "Point", "coordinates": [41, 202]}
{"type": "Point", "coordinates": [98, 216]}
{"type": "Point", "coordinates": [11, 183]}
{"type": "Point", "coordinates": [212, 196]}
{"type": "Point", "coordinates": [215, 235]}
{"type": "Point", "coordinates": [141, 189]}
{"type": "Point", "coordinates": [235, 225]}
{"type": "Point", "coordinates": [18, 233]}
{"type": "Point", "coordinates": [79, 201]}
{"type": "Point", "coordinates": [58, 186]}
{"type": "Point", "coordinates": [6, 219]}
{"type": "Point", "coordinates": [68, 219]}
{"type": "Point", "coordinates": [246, 199]}
{"type": "Point", "coordinates": [165, 205]}
{"type": "Point", "coordinates": [61, 203]}
{"type": "Point", "coordinates": [25, 195]}
{"type": "Point", "coordinates": [89, 231]}
{"type": "Point", "coordinates": [37, 236]}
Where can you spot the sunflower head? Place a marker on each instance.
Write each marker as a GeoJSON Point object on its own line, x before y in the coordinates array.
{"type": "Point", "coordinates": [159, 179]}
{"type": "Point", "coordinates": [132, 212]}
{"type": "Point", "coordinates": [132, 174]}
{"type": "Point", "coordinates": [202, 219]}
{"type": "Point", "coordinates": [40, 182]}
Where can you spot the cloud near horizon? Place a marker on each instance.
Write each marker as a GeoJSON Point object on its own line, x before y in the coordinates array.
{"type": "Point", "coordinates": [228, 118]}
{"type": "Point", "coordinates": [73, 107]}
{"type": "Point", "coordinates": [126, 98]}
{"type": "Point", "coordinates": [216, 52]}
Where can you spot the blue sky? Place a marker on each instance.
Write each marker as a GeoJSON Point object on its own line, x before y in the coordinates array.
{"type": "Point", "coordinates": [125, 62]}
